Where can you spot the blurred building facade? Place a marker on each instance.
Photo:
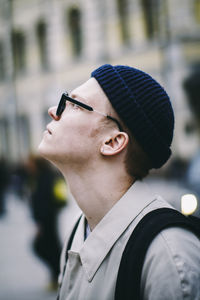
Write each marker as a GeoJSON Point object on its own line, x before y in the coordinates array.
{"type": "Point", "coordinates": [49, 46]}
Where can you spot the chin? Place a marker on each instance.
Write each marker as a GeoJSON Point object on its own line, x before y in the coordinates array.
{"type": "Point", "coordinates": [42, 150]}
{"type": "Point", "coordinates": [47, 153]}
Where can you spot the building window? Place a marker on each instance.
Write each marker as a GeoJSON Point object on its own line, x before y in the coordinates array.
{"type": "Point", "coordinates": [4, 142]}
{"type": "Point", "coordinates": [151, 17]}
{"type": "Point", "coordinates": [74, 26]}
{"type": "Point", "coordinates": [122, 6]}
{"type": "Point", "coordinates": [41, 31]}
{"type": "Point", "coordinates": [19, 51]}
{"type": "Point", "coordinates": [2, 62]}
{"type": "Point", "coordinates": [197, 10]}
{"type": "Point", "coordinates": [24, 135]}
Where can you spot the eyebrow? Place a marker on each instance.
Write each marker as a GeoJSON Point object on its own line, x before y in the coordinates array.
{"type": "Point", "coordinates": [79, 98]}
{"type": "Point", "coordinates": [81, 104]}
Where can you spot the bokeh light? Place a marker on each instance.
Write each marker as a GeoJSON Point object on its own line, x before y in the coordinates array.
{"type": "Point", "coordinates": [188, 204]}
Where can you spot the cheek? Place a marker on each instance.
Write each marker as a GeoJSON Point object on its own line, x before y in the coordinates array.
{"type": "Point", "coordinates": [83, 125]}
{"type": "Point", "coordinates": [95, 130]}
{"type": "Point", "coordinates": [74, 136]}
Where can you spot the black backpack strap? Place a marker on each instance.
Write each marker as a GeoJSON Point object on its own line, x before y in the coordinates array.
{"type": "Point", "coordinates": [67, 249]}
{"type": "Point", "coordinates": [71, 240]}
{"type": "Point", "coordinates": [130, 270]}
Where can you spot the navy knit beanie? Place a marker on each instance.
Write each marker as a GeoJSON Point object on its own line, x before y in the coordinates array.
{"type": "Point", "coordinates": [144, 107]}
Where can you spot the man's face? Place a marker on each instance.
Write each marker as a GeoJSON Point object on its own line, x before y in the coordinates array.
{"type": "Point", "coordinates": [75, 137]}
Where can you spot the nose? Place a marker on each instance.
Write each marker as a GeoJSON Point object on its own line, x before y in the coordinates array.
{"type": "Point", "coordinates": [52, 113]}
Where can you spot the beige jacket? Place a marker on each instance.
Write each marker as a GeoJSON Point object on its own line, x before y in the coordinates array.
{"type": "Point", "coordinates": [171, 269]}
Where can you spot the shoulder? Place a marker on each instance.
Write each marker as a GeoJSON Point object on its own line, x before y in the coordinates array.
{"type": "Point", "coordinates": [172, 266]}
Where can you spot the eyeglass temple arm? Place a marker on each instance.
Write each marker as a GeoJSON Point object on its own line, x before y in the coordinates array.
{"type": "Point", "coordinates": [109, 117]}
{"type": "Point", "coordinates": [91, 109]}
{"type": "Point", "coordinates": [116, 121]}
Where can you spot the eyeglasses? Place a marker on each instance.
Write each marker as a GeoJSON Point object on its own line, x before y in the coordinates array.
{"type": "Point", "coordinates": [62, 105]}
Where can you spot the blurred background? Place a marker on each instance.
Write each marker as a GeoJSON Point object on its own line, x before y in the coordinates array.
{"type": "Point", "coordinates": [49, 46]}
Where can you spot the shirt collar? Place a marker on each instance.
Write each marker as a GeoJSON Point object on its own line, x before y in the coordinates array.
{"type": "Point", "coordinates": [102, 238]}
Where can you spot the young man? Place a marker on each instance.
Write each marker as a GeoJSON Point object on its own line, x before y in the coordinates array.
{"type": "Point", "coordinates": [104, 138]}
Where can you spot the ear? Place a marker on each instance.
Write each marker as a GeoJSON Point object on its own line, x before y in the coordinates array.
{"type": "Point", "coordinates": [115, 144]}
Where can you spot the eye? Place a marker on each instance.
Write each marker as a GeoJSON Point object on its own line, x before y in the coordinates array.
{"type": "Point", "coordinates": [75, 106]}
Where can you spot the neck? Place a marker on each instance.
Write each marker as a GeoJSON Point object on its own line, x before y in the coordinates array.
{"type": "Point", "coordinates": [97, 191]}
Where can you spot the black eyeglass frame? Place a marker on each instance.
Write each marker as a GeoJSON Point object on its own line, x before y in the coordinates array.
{"type": "Point", "coordinates": [62, 105]}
